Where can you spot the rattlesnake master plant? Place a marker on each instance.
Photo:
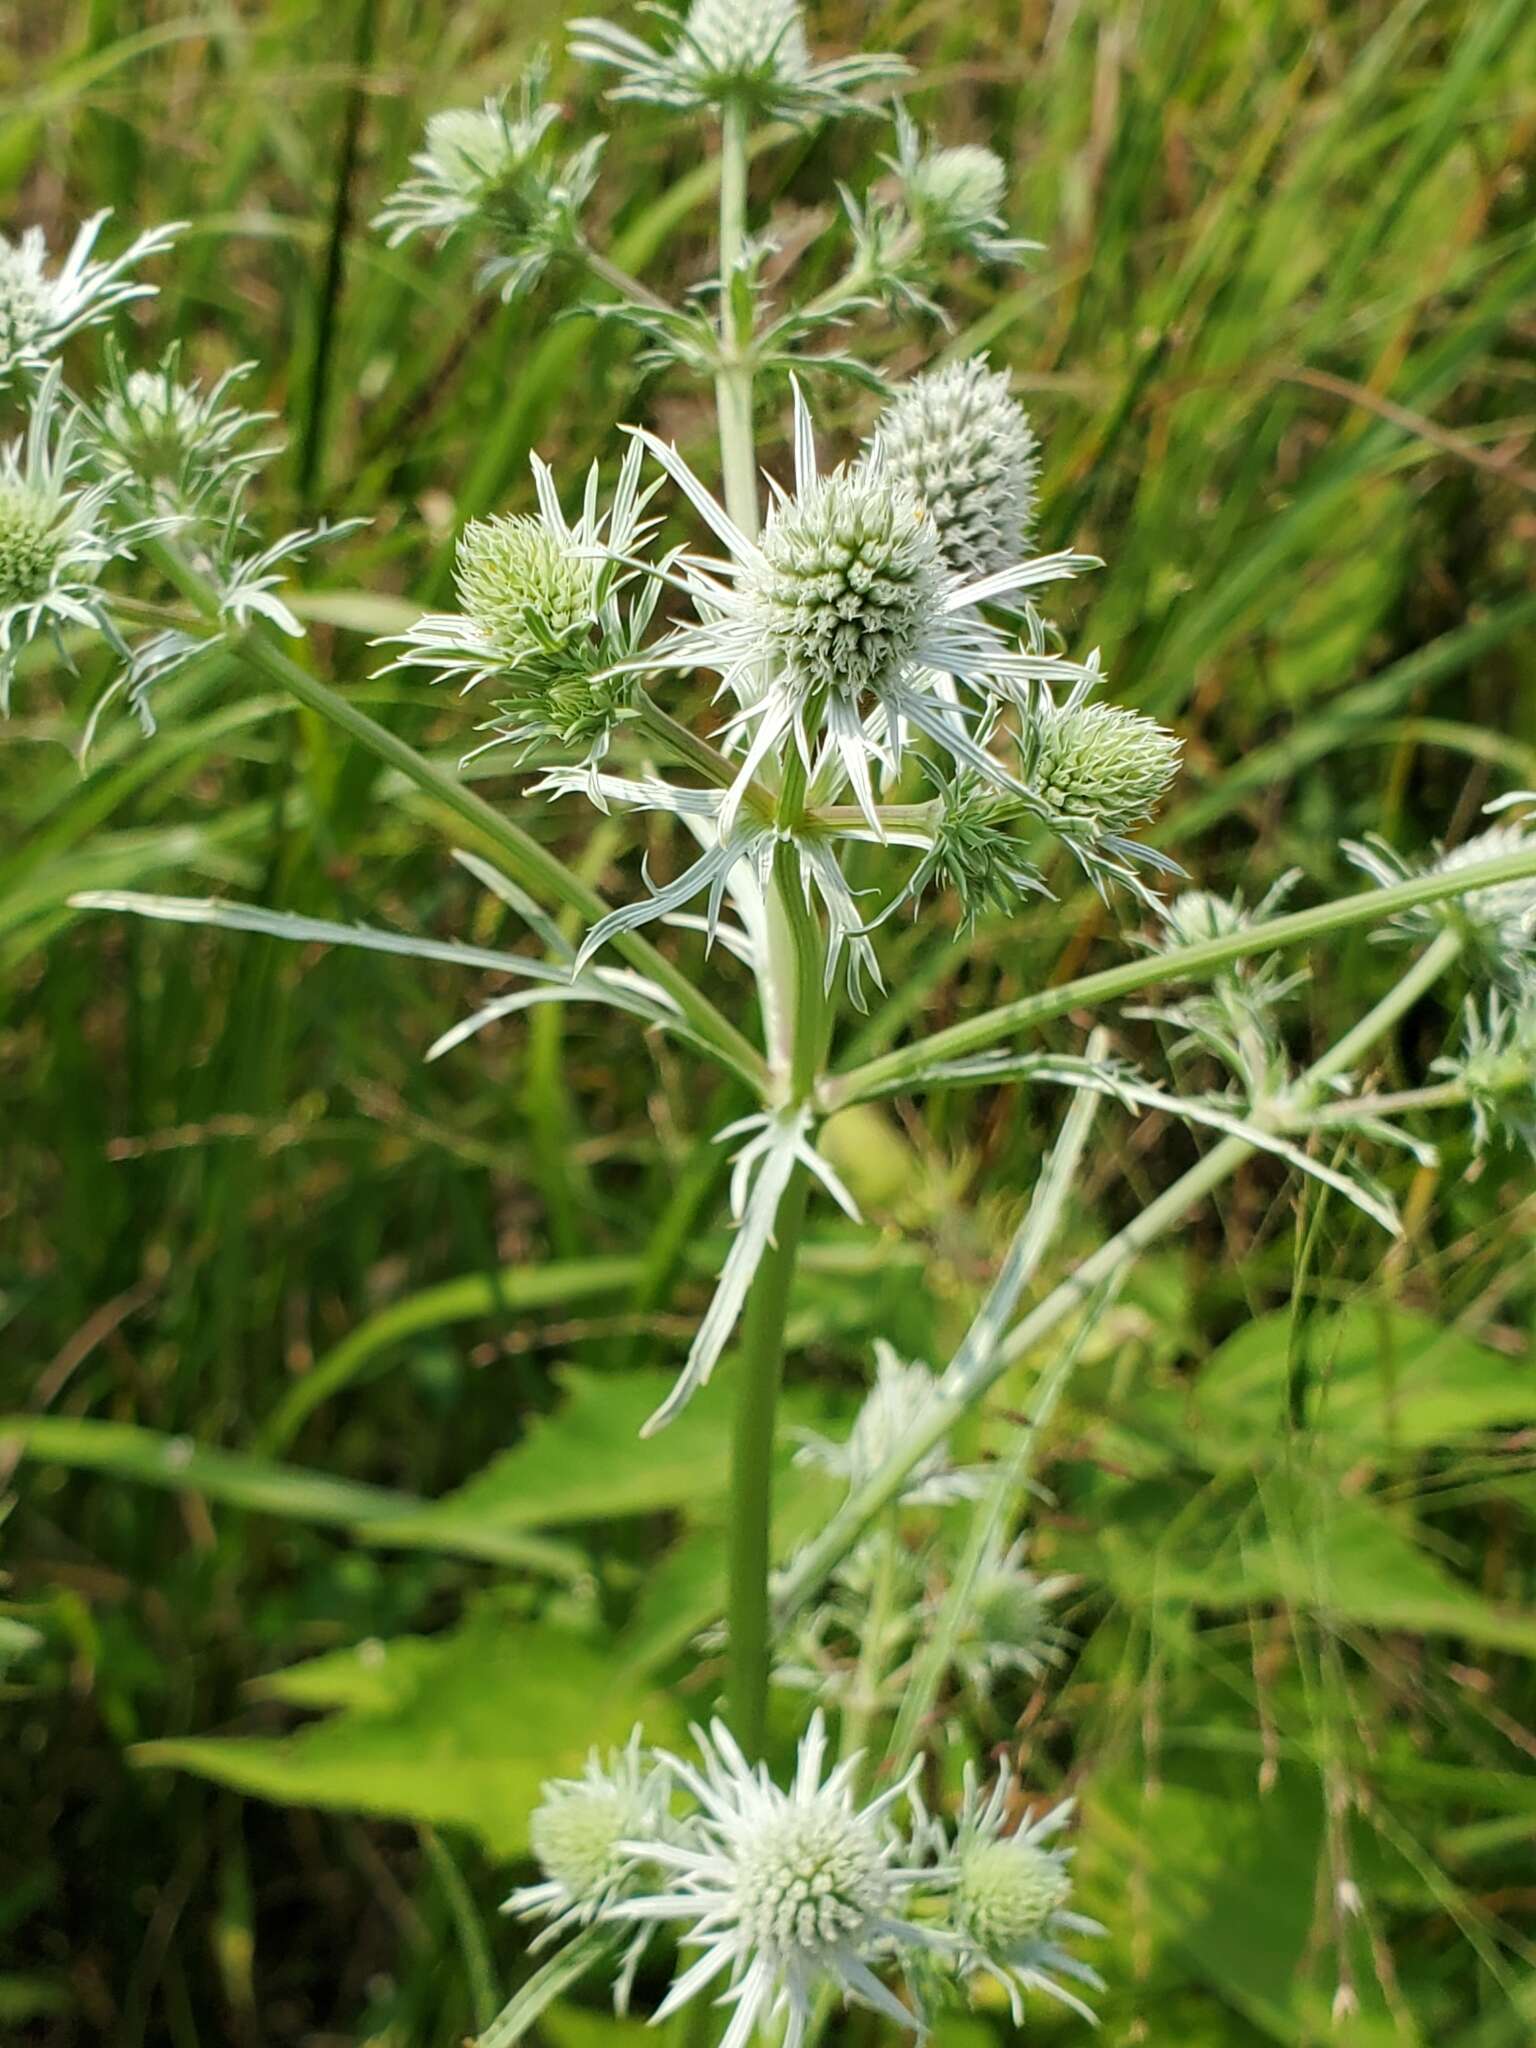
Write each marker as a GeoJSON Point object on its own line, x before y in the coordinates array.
{"type": "Point", "coordinates": [896, 719]}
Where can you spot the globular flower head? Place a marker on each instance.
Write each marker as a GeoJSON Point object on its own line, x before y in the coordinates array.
{"type": "Point", "coordinates": [1496, 1064]}
{"type": "Point", "coordinates": [1230, 1014]}
{"type": "Point", "coordinates": [1498, 924]}
{"type": "Point", "coordinates": [541, 618]}
{"type": "Point", "coordinates": [41, 307]}
{"type": "Point", "coordinates": [954, 197]}
{"type": "Point", "coordinates": [56, 535]}
{"type": "Point", "coordinates": [844, 630]}
{"type": "Point", "coordinates": [963, 446]}
{"type": "Point", "coordinates": [1008, 1892]}
{"type": "Point", "coordinates": [1094, 771]}
{"type": "Point", "coordinates": [786, 1890]}
{"type": "Point", "coordinates": [1098, 768]}
{"type": "Point", "coordinates": [584, 1833]}
{"type": "Point", "coordinates": [749, 53]}
{"type": "Point", "coordinates": [900, 1400]}
{"type": "Point", "coordinates": [498, 169]}
{"type": "Point", "coordinates": [850, 583]}
{"type": "Point", "coordinates": [1008, 1623]}
{"type": "Point", "coordinates": [180, 441]}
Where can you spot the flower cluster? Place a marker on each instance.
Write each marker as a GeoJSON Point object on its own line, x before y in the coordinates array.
{"type": "Point", "coordinates": [788, 1891]}
{"type": "Point", "coordinates": [40, 307]}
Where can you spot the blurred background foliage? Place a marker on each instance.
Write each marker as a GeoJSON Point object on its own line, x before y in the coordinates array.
{"type": "Point", "coordinates": [270, 1285]}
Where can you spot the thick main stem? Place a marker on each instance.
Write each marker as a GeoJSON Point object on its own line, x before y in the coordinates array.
{"type": "Point", "coordinates": [733, 381]}
{"type": "Point", "coordinates": [969, 1378]}
{"type": "Point", "coordinates": [761, 1371]}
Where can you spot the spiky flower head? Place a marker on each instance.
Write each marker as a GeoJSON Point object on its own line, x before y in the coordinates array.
{"type": "Point", "coordinates": [746, 42]}
{"type": "Point", "coordinates": [959, 189]}
{"type": "Point", "coordinates": [851, 578]}
{"type": "Point", "coordinates": [1008, 1623]}
{"type": "Point", "coordinates": [789, 1891]}
{"type": "Point", "coordinates": [56, 535]}
{"type": "Point", "coordinates": [953, 196]}
{"type": "Point", "coordinates": [40, 308]}
{"type": "Point", "coordinates": [181, 441]}
{"type": "Point", "coordinates": [541, 616]}
{"type": "Point", "coordinates": [1093, 771]}
{"type": "Point", "coordinates": [522, 585]}
{"type": "Point", "coordinates": [1497, 924]}
{"type": "Point", "coordinates": [1008, 1894]}
{"type": "Point", "coordinates": [1097, 768]}
{"type": "Point", "coordinates": [155, 417]}
{"type": "Point", "coordinates": [900, 1401]}
{"type": "Point", "coordinates": [583, 1833]}
{"type": "Point", "coordinates": [1496, 1064]}
{"type": "Point", "coordinates": [963, 446]}
{"type": "Point", "coordinates": [749, 53]}
{"type": "Point", "coordinates": [499, 169]}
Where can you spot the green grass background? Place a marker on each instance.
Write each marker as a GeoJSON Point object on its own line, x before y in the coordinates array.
{"type": "Point", "coordinates": [267, 1282]}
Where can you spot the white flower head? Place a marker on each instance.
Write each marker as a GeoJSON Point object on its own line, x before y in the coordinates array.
{"type": "Point", "coordinates": [497, 169]}
{"type": "Point", "coordinates": [963, 446]}
{"type": "Point", "coordinates": [899, 1400]}
{"type": "Point", "coordinates": [1008, 1624]}
{"type": "Point", "coordinates": [1008, 1892]}
{"type": "Point", "coordinates": [753, 53]}
{"type": "Point", "coordinates": [179, 441]}
{"type": "Point", "coordinates": [843, 628]}
{"type": "Point", "coordinates": [585, 1833]}
{"type": "Point", "coordinates": [954, 196]}
{"type": "Point", "coordinates": [1498, 924]}
{"type": "Point", "coordinates": [40, 308]}
{"type": "Point", "coordinates": [56, 536]}
{"type": "Point", "coordinates": [786, 1891]}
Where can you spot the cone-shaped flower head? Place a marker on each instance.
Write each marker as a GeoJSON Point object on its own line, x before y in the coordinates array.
{"type": "Point", "coordinates": [475, 147]}
{"type": "Point", "coordinates": [522, 584]}
{"type": "Point", "coordinates": [964, 447]}
{"type": "Point", "coordinates": [849, 585]}
{"type": "Point", "coordinates": [1007, 1892]}
{"type": "Point", "coordinates": [959, 189]}
{"type": "Point", "coordinates": [1008, 1624]}
{"type": "Point", "coordinates": [155, 418]}
{"type": "Point", "coordinates": [32, 539]}
{"type": "Point", "coordinates": [739, 42]}
{"type": "Point", "coordinates": [1098, 767]}
{"type": "Point", "coordinates": [585, 1833]}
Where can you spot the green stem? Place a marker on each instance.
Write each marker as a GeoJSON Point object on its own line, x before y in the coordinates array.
{"type": "Point", "coordinates": [1371, 906]}
{"type": "Point", "coordinates": [976, 1369]}
{"type": "Point", "coordinates": [733, 384]}
{"type": "Point", "coordinates": [761, 1369]}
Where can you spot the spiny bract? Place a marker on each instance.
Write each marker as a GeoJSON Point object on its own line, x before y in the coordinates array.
{"type": "Point", "coordinates": [851, 574]}
{"type": "Point", "coordinates": [959, 441]}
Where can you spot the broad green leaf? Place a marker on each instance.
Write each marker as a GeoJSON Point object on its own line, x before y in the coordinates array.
{"type": "Point", "coordinates": [1381, 1380]}
{"type": "Point", "coordinates": [152, 1458]}
{"type": "Point", "coordinates": [478, 1719]}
